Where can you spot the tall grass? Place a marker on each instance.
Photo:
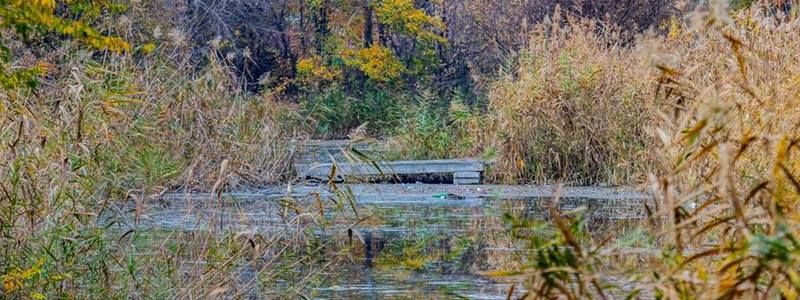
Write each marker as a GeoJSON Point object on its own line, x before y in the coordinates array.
{"type": "Point", "coordinates": [730, 186]}
{"type": "Point", "coordinates": [727, 182]}
{"type": "Point", "coordinates": [575, 107]}
{"type": "Point", "coordinates": [105, 130]}
{"type": "Point", "coordinates": [429, 129]}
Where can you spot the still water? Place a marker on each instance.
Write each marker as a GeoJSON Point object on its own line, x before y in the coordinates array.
{"type": "Point", "coordinates": [424, 243]}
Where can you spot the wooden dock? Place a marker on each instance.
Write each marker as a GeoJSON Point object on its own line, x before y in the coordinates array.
{"type": "Point", "coordinates": [318, 158]}
{"type": "Point", "coordinates": [465, 171]}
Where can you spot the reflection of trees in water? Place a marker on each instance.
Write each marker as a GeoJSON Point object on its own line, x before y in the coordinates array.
{"type": "Point", "coordinates": [461, 237]}
{"type": "Point", "coordinates": [453, 240]}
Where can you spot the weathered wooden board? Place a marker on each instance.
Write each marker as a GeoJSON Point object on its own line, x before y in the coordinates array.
{"type": "Point", "coordinates": [466, 178]}
{"type": "Point", "coordinates": [466, 169]}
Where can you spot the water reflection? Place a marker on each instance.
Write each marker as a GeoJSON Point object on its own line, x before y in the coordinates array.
{"type": "Point", "coordinates": [401, 246]}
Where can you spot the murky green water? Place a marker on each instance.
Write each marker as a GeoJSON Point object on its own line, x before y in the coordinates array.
{"type": "Point", "coordinates": [391, 246]}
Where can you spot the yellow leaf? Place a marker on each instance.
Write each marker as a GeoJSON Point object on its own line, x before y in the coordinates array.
{"type": "Point", "coordinates": [414, 263]}
{"type": "Point", "coordinates": [148, 48]}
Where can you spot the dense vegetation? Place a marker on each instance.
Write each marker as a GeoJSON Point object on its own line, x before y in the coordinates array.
{"type": "Point", "coordinates": [719, 102]}
{"type": "Point", "coordinates": [107, 103]}
{"type": "Point", "coordinates": [350, 63]}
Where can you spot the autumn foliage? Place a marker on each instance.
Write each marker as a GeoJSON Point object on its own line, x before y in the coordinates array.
{"type": "Point", "coordinates": [36, 19]}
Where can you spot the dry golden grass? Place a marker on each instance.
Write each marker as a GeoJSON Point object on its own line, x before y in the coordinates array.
{"type": "Point", "coordinates": [729, 183]}
{"type": "Point", "coordinates": [725, 187]}
{"type": "Point", "coordinates": [104, 131]}
{"type": "Point", "coordinates": [582, 107]}
{"type": "Point", "coordinates": [575, 108]}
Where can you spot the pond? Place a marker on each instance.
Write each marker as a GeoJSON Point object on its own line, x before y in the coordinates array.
{"type": "Point", "coordinates": [378, 242]}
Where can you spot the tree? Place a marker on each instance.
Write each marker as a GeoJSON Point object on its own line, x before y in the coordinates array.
{"type": "Point", "coordinates": [32, 19]}
{"type": "Point", "coordinates": [406, 34]}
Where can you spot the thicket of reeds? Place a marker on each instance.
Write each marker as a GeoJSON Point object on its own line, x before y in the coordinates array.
{"type": "Point", "coordinates": [723, 93]}
{"type": "Point", "coordinates": [99, 141]}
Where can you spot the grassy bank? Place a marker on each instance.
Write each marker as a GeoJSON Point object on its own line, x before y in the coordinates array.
{"type": "Point", "coordinates": [582, 105]}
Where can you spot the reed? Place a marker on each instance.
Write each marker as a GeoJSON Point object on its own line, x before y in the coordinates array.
{"type": "Point", "coordinates": [102, 131]}
{"type": "Point", "coordinates": [725, 183]}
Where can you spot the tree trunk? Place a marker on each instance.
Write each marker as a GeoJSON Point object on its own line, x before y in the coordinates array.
{"type": "Point", "coordinates": [302, 31]}
{"type": "Point", "coordinates": [367, 24]}
{"type": "Point", "coordinates": [321, 24]}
